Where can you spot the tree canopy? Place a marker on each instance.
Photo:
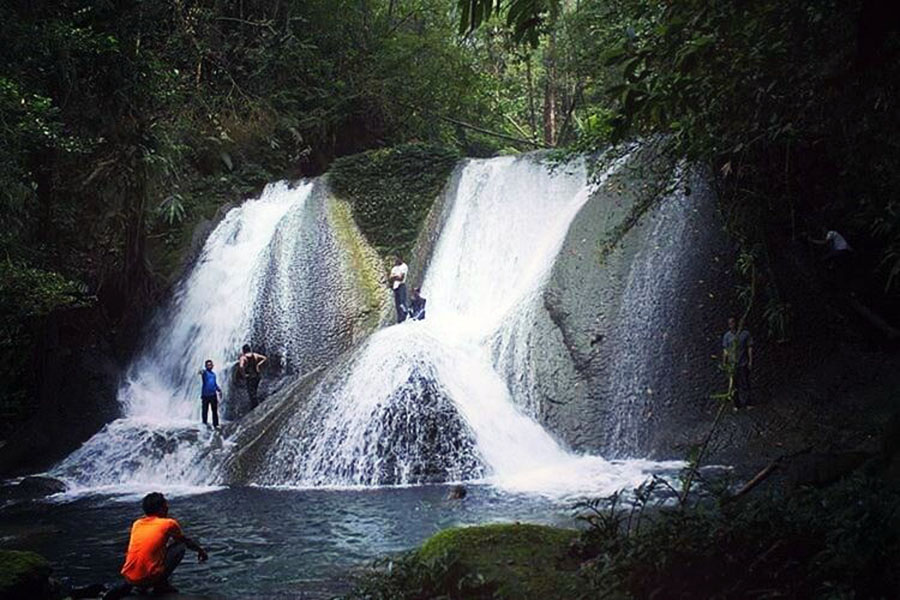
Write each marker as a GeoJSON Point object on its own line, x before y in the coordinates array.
{"type": "Point", "coordinates": [125, 122]}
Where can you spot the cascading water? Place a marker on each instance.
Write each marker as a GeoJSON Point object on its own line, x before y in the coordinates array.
{"type": "Point", "coordinates": [657, 267]}
{"type": "Point", "coordinates": [158, 441]}
{"type": "Point", "coordinates": [443, 399]}
{"type": "Point", "coordinates": [422, 401]}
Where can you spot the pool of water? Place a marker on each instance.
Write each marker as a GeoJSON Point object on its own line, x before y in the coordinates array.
{"type": "Point", "coordinates": [264, 542]}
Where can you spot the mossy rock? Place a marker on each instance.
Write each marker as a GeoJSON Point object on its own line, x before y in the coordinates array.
{"type": "Point", "coordinates": [363, 262]}
{"type": "Point", "coordinates": [23, 575]}
{"type": "Point", "coordinates": [513, 561]}
{"type": "Point", "coordinates": [391, 191]}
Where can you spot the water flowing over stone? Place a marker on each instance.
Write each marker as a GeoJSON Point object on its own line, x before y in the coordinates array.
{"type": "Point", "coordinates": [619, 346]}
{"type": "Point", "coordinates": [462, 395]}
{"type": "Point", "coordinates": [422, 401]}
{"type": "Point", "coordinates": [271, 273]}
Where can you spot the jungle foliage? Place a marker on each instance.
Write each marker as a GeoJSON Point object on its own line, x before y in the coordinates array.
{"type": "Point", "coordinates": [391, 190]}
{"type": "Point", "coordinates": [791, 104]}
{"type": "Point", "coordinates": [126, 122]}
{"type": "Point", "coordinates": [813, 543]}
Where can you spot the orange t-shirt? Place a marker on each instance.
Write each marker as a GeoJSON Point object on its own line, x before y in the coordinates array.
{"type": "Point", "coordinates": [147, 548]}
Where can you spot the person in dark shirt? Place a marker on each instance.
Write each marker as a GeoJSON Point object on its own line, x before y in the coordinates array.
{"type": "Point", "coordinates": [210, 392]}
{"type": "Point", "coordinates": [249, 366]}
{"type": "Point", "coordinates": [737, 354]}
{"type": "Point", "coordinates": [416, 306]}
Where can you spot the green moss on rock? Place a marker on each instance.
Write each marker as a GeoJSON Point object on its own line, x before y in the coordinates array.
{"type": "Point", "coordinates": [391, 191]}
{"type": "Point", "coordinates": [515, 561]}
{"type": "Point", "coordinates": [23, 574]}
{"type": "Point", "coordinates": [509, 561]}
{"type": "Point", "coordinates": [362, 259]}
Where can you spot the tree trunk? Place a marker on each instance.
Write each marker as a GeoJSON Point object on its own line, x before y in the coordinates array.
{"type": "Point", "coordinates": [532, 113]}
{"type": "Point", "coordinates": [550, 92]}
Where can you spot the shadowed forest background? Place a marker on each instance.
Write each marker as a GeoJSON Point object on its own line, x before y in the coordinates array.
{"type": "Point", "coordinates": [127, 128]}
{"type": "Point", "coordinates": [126, 123]}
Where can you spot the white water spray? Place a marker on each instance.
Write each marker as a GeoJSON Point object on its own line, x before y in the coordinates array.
{"type": "Point", "coordinates": [506, 225]}
{"type": "Point", "coordinates": [158, 441]}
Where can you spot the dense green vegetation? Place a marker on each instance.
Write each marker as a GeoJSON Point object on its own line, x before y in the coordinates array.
{"type": "Point", "coordinates": [831, 543]}
{"type": "Point", "coordinates": [391, 191]}
{"type": "Point", "coordinates": [839, 542]}
{"type": "Point", "coordinates": [125, 123]}
{"type": "Point", "coordinates": [791, 104]}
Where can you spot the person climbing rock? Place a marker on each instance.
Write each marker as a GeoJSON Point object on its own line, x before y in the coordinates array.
{"type": "Point", "coordinates": [210, 392]}
{"type": "Point", "coordinates": [155, 550]}
{"type": "Point", "coordinates": [416, 307]}
{"type": "Point", "coordinates": [397, 280]}
{"type": "Point", "coordinates": [737, 358]}
{"type": "Point", "coordinates": [836, 245]}
{"type": "Point", "coordinates": [837, 258]}
{"type": "Point", "coordinates": [249, 368]}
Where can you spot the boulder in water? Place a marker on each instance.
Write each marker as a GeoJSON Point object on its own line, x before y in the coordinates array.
{"type": "Point", "coordinates": [24, 575]}
{"type": "Point", "coordinates": [39, 485]}
{"type": "Point", "coordinates": [457, 492]}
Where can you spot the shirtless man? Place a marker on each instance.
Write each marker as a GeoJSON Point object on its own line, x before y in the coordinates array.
{"type": "Point", "coordinates": [248, 366]}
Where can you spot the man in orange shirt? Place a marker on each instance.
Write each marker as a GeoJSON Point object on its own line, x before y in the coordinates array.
{"type": "Point", "coordinates": [151, 558]}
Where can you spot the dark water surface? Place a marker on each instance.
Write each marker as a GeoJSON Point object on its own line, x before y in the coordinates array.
{"type": "Point", "coordinates": [263, 542]}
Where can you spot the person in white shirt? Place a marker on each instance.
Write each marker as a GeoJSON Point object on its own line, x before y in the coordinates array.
{"type": "Point", "coordinates": [835, 245]}
{"type": "Point", "coordinates": [838, 257]}
{"type": "Point", "coordinates": [397, 281]}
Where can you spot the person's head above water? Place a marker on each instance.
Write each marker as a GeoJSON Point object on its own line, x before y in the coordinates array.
{"type": "Point", "coordinates": [155, 505]}
{"type": "Point", "coordinates": [246, 348]}
{"type": "Point", "coordinates": [457, 492]}
{"type": "Point", "coordinates": [209, 364]}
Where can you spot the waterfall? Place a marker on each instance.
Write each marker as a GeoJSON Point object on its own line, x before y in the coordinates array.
{"type": "Point", "coordinates": [424, 401]}
{"type": "Point", "coordinates": [210, 316]}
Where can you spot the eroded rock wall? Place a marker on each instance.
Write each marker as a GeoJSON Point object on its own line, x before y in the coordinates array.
{"type": "Point", "coordinates": [631, 316]}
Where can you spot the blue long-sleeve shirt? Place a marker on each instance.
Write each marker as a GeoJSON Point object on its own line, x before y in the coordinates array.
{"type": "Point", "coordinates": [210, 387]}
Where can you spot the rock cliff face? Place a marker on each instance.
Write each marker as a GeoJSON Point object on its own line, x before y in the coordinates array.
{"type": "Point", "coordinates": [321, 292]}
{"type": "Point", "coordinates": [616, 351]}
{"type": "Point", "coordinates": [631, 315]}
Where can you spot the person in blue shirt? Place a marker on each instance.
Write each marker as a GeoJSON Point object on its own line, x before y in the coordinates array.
{"type": "Point", "coordinates": [210, 393]}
